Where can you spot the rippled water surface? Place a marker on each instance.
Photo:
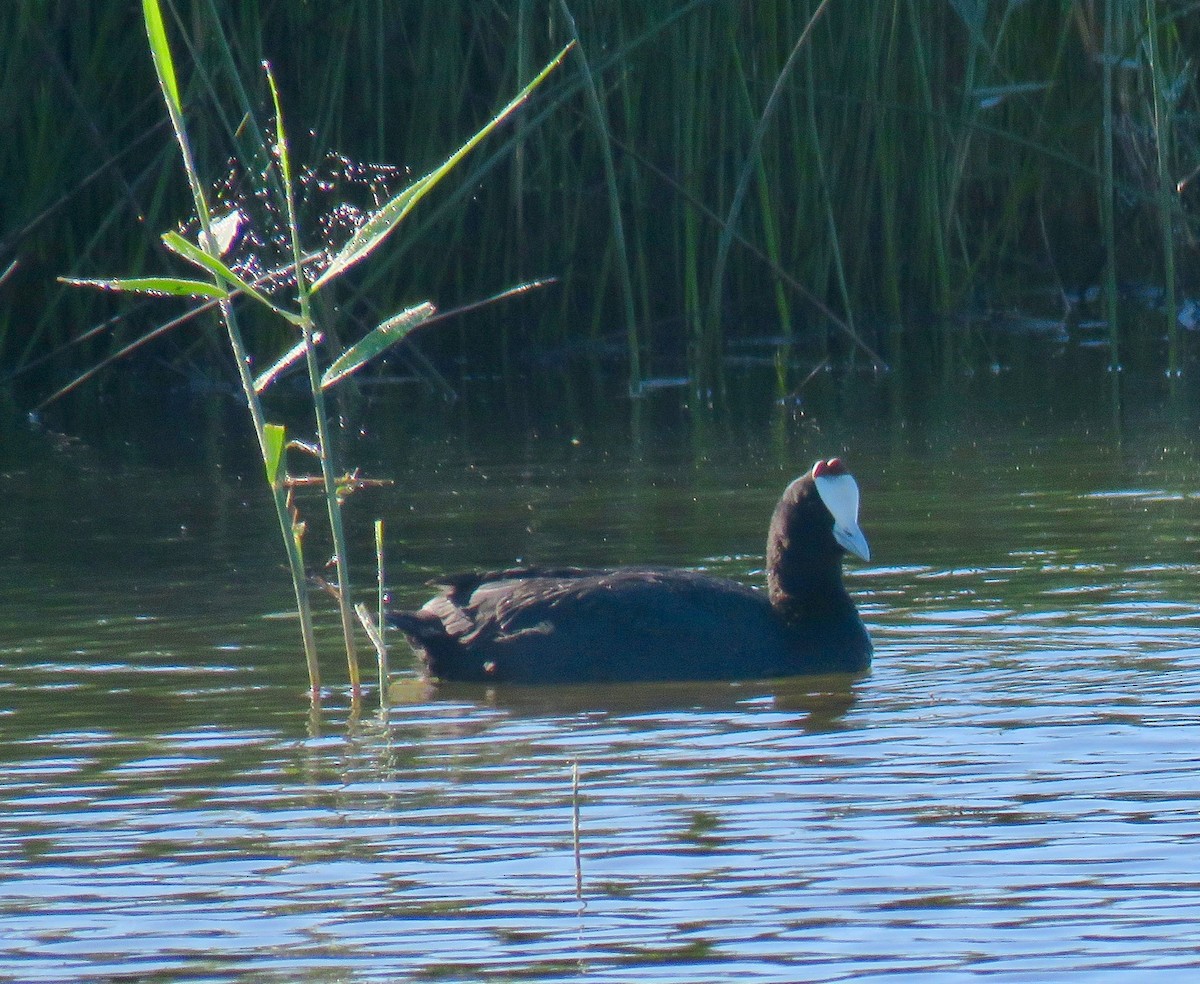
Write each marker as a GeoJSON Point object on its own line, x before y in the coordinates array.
{"type": "Point", "coordinates": [1014, 791]}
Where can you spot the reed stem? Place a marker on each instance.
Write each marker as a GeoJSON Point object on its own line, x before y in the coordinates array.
{"type": "Point", "coordinates": [325, 449]}
{"type": "Point", "coordinates": [381, 614]}
{"type": "Point", "coordinates": [749, 166]}
{"type": "Point", "coordinates": [1108, 191]}
{"type": "Point", "coordinates": [600, 121]}
{"type": "Point", "coordinates": [1160, 81]}
{"type": "Point", "coordinates": [165, 70]}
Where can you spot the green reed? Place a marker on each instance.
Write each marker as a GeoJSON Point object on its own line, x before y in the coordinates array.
{"type": "Point", "coordinates": [222, 284]}
{"type": "Point", "coordinates": [919, 155]}
{"type": "Point", "coordinates": [614, 203]}
{"type": "Point", "coordinates": [1163, 77]}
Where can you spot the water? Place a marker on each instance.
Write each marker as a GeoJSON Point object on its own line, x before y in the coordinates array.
{"type": "Point", "coordinates": [1013, 792]}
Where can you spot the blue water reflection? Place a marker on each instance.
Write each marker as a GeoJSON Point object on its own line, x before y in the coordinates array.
{"type": "Point", "coordinates": [1013, 790]}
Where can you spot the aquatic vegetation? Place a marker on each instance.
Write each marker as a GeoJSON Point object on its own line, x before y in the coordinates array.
{"type": "Point", "coordinates": [306, 273]}
{"type": "Point", "coordinates": [917, 159]}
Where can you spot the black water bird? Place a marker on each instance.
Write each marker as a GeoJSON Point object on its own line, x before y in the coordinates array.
{"type": "Point", "coordinates": [574, 625]}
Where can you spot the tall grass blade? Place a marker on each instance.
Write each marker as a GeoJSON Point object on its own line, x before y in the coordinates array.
{"type": "Point", "coordinates": [264, 380]}
{"type": "Point", "coordinates": [281, 145]}
{"type": "Point", "coordinates": [378, 340]}
{"type": "Point", "coordinates": [515, 291]}
{"type": "Point", "coordinates": [289, 358]}
{"type": "Point", "coordinates": [1108, 192]}
{"type": "Point", "coordinates": [164, 68]}
{"type": "Point", "coordinates": [291, 532]}
{"type": "Point", "coordinates": [614, 206]}
{"type": "Point", "coordinates": [1161, 85]}
{"type": "Point", "coordinates": [380, 225]}
{"type": "Point", "coordinates": [123, 351]}
{"type": "Point", "coordinates": [730, 224]}
{"type": "Point", "coordinates": [381, 612]}
{"type": "Point", "coordinates": [153, 286]}
{"type": "Point", "coordinates": [333, 498]}
{"type": "Point", "coordinates": [822, 176]}
{"type": "Point", "coordinates": [160, 51]}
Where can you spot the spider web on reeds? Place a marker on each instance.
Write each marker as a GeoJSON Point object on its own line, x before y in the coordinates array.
{"type": "Point", "coordinates": [334, 198]}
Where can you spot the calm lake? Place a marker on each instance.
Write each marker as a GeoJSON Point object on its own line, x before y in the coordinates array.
{"type": "Point", "coordinates": [1014, 791]}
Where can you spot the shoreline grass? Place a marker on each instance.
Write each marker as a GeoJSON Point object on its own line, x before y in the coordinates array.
{"type": "Point", "coordinates": [919, 158]}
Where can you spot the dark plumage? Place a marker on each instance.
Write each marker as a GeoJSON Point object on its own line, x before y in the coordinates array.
{"type": "Point", "coordinates": [571, 625]}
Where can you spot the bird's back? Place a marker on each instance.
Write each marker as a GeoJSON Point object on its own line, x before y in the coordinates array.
{"type": "Point", "coordinates": [571, 625]}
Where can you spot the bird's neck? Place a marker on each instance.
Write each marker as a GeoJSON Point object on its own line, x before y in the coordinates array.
{"type": "Point", "coordinates": [805, 590]}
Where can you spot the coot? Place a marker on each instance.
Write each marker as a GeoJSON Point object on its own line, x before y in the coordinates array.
{"type": "Point", "coordinates": [574, 625]}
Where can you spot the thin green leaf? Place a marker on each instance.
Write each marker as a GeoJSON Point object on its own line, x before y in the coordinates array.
{"type": "Point", "coordinates": [281, 147]}
{"type": "Point", "coordinates": [284, 362]}
{"type": "Point", "coordinates": [276, 440]}
{"type": "Point", "coordinates": [377, 228]}
{"type": "Point", "coordinates": [206, 261]}
{"type": "Point", "coordinates": [154, 286]}
{"type": "Point", "coordinates": [194, 254]}
{"type": "Point", "coordinates": [160, 50]}
{"type": "Point", "coordinates": [989, 97]}
{"type": "Point", "coordinates": [375, 341]}
{"type": "Point", "coordinates": [283, 156]}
